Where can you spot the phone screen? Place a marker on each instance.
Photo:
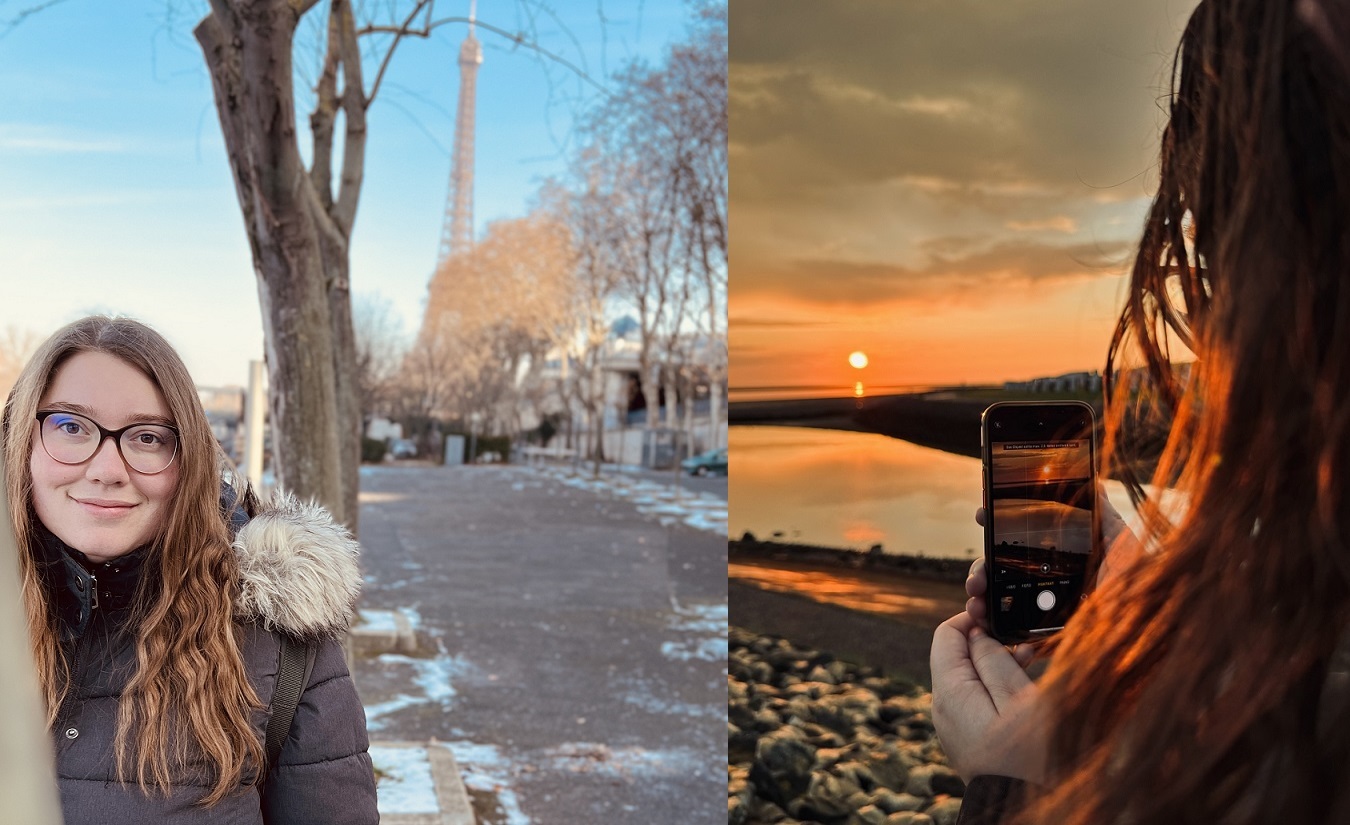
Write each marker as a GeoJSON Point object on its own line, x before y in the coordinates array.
{"type": "Point", "coordinates": [1041, 498]}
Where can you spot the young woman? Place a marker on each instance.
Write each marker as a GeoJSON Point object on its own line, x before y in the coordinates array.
{"type": "Point", "coordinates": [1198, 684]}
{"type": "Point", "coordinates": [156, 633]}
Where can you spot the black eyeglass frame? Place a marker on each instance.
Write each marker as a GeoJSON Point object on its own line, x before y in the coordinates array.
{"type": "Point", "coordinates": [103, 435]}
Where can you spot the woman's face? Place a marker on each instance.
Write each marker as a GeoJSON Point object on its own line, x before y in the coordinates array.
{"type": "Point", "coordinates": [102, 507]}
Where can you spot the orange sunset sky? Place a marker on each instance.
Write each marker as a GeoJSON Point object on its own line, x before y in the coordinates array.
{"type": "Point", "coordinates": [954, 188]}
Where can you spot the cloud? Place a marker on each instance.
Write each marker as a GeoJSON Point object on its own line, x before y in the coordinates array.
{"type": "Point", "coordinates": [953, 268]}
{"type": "Point", "coordinates": [1059, 223]}
{"type": "Point", "coordinates": [44, 140]}
{"type": "Point", "coordinates": [1049, 93]}
{"type": "Point", "coordinates": [742, 322]}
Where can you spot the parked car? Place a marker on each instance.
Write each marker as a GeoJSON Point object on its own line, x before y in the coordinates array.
{"type": "Point", "coordinates": [403, 448]}
{"type": "Point", "coordinates": [713, 462]}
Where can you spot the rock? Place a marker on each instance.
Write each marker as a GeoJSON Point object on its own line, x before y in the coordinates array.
{"type": "Point", "coordinates": [921, 779]}
{"type": "Point", "coordinates": [741, 747]}
{"type": "Point", "coordinates": [876, 684]}
{"type": "Point", "coordinates": [867, 815]}
{"type": "Point", "coordinates": [888, 768]}
{"type": "Point", "coordinates": [912, 734]}
{"type": "Point", "coordinates": [839, 671]}
{"type": "Point", "coordinates": [948, 783]}
{"type": "Point", "coordinates": [782, 768]}
{"type": "Point", "coordinates": [945, 812]}
{"type": "Point", "coordinates": [823, 737]}
{"type": "Point", "coordinates": [909, 818]}
{"type": "Point", "coordinates": [738, 810]}
{"type": "Point", "coordinates": [826, 713]}
{"type": "Point", "coordinates": [921, 721]}
{"type": "Point", "coordinates": [857, 774]}
{"type": "Point", "coordinates": [892, 802]}
{"type": "Point", "coordinates": [811, 690]}
{"type": "Point", "coordinates": [826, 799]}
{"type": "Point", "coordinates": [740, 715]}
{"type": "Point", "coordinates": [764, 721]}
{"type": "Point", "coordinates": [820, 674]}
{"type": "Point", "coordinates": [740, 794]}
{"type": "Point", "coordinates": [762, 810]}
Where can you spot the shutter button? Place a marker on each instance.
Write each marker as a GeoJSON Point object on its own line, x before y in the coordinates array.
{"type": "Point", "coordinates": [71, 733]}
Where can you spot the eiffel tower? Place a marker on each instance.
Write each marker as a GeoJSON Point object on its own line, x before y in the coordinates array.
{"type": "Point", "coordinates": [457, 230]}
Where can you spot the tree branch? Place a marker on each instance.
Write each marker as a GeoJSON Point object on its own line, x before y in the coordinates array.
{"type": "Point", "coordinates": [399, 33]}
{"type": "Point", "coordinates": [325, 111]}
{"type": "Point", "coordinates": [354, 107]}
{"type": "Point", "coordinates": [515, 37]}
{"type": "Point", "coordinates": [17, 20]}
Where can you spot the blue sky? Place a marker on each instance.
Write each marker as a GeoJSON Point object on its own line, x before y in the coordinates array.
{"type": "Point", "coordinates": [115, 194]}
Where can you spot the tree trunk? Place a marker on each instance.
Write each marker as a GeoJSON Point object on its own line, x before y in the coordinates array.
{"type": "Point", "coordinates": [299, 249]}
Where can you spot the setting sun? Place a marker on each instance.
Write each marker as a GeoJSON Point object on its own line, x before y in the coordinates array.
{"type": "Point", "coordinates": [857, 360]}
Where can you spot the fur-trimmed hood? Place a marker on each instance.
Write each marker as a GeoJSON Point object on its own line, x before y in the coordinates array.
{"type": "Point", "coordinates": [298, 570]}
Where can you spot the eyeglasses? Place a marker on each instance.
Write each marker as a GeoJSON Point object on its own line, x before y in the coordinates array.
{"type": "Point", "coordinates": [73, 439]}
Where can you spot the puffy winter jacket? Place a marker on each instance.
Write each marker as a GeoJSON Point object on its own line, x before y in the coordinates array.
{"type": "Point", "coordinates": [299, 577]}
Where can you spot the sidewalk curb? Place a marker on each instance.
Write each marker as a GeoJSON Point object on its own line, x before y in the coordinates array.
{"type": "Point", "coordinates": [451, 797]}
{"type": "Point", "coordinates": [383, 631]}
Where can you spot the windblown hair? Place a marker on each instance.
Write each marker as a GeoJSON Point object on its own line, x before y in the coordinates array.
{"type": "Point", "coordinates": [190, 700]}
{"type": "Point", "coordinates": [1191, 689]}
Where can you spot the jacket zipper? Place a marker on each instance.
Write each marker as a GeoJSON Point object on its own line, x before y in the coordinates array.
{"type": "Point", "coordinates": [63, 714]}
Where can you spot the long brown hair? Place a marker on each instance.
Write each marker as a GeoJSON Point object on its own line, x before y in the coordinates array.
{"type": "Point", "coordinates": [190, 697]}
{"type": "Point", "coordinates": [1190, 689]}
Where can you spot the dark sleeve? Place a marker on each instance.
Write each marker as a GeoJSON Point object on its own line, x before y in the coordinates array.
{"type": "Point", "coordinates": [989, 800]}
{"type": "Point", "coordinates": [324, 775]}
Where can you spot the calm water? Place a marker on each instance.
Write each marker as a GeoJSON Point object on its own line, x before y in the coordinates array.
{"type": "Point", "coordinates": [842, 489]}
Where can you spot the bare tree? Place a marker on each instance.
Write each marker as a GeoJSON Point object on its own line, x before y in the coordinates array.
{"type": "Point", "coordinates": [380, 350]}
{"type": "Point", "coordinates": [663, 134]}
{"type": "Point", "coordinates": [299, 219]}
{"type": "Point", "coordinates": [501, 308]}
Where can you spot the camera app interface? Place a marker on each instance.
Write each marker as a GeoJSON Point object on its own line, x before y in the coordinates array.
{"type": "Point", "coordinates": [1042, 499]}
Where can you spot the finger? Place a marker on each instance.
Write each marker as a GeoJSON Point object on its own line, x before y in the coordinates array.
{"type": "Point", "coordinates": [977, 583]}
{"type": "Point", "coordinates": [996, 668]}
{"type": "Point", "coordinates": [979, 516]}
{"type": "Point", "coordinates": [1024, 654]}
{"type": "Point", "coordinates": [978, 611]}
{"type": "Point", "coordinates": [949, 658]}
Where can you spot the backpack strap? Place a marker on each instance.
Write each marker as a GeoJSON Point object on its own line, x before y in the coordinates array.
{"type": "Point", "coordinates": [293, 671]}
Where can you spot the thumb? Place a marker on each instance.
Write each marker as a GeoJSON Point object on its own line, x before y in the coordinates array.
{"type": "Point", "coordinates": [1000, 673]}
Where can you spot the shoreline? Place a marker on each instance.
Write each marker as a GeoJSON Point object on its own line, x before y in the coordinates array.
{"type": "Point", "coordinates": [946, 419]}
{"type": "Point", "coordinates": [935, 568]}
{"type": "Point", "coordinates": [865, 608]}
{"type": "Point", "coordinates": [936, 419]}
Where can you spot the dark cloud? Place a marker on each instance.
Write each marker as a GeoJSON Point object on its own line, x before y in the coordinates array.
{"type": "Point", "coordinates": [1055, 96]}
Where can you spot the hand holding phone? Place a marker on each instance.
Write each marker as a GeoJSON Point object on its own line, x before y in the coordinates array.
{"type": "Point", "coordinates": [1041, 514]}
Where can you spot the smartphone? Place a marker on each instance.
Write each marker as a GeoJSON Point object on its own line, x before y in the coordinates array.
{"type": "Point", "coordinates": [1040, 504]}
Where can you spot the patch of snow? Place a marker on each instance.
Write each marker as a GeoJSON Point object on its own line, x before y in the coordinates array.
{"type": "Point", "coordinates": [407, 786]}
{"type": "Point", "coordinates": [375, 713]}
{"type": "Point", "coordinates": [652, 704]}
{"type": "Point", "coordinates": [712, 650]}
{"type": "Point", "coordinates": [483, 768]}
{"type": "Point", "coordinates": [381, 621]}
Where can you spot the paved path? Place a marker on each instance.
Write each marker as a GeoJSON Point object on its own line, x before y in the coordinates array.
{"type": "Point", "coordinates": [578, 645]}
